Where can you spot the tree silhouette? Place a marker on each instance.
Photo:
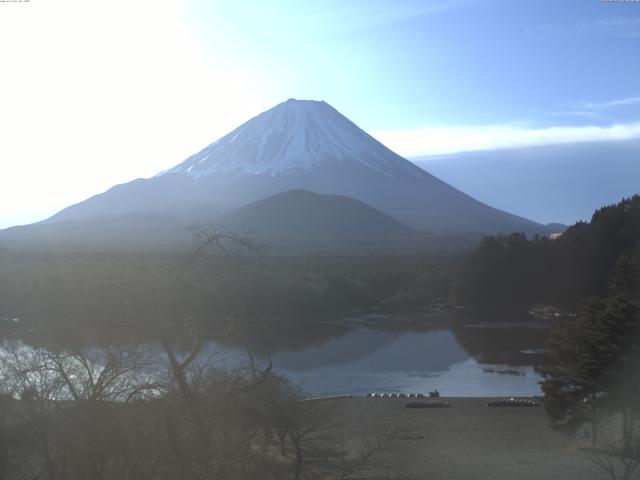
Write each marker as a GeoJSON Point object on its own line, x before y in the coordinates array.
{"type": "Point", "coordinates": [595, 356]}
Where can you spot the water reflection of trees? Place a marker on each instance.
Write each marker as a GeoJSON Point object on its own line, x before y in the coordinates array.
{"type": "Point", "coordinates": [264, 335]}
{"type": "Point", "coordinates": [487, 342]}
{"type": "Point", "coordinates": [502, 345]}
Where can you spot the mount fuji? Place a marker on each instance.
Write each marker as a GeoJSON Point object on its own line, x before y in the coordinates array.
{"type": "Point", "coordinates": [297, 145]}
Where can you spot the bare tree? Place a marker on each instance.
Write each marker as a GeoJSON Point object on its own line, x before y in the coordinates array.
{"type": "Point", "coordinates": [271, 409]}
{"type": "Point", "coordinates": [64, 406]}
{"type": "Point", "coordinates": [216, 239]}
{"type": "Point", "coordinates": [310, 424]}
{"type": "Point", "coordinates": [617, 450]}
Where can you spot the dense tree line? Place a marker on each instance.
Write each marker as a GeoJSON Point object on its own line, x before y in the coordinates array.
{"type": "Point", "coordinates": [110, 296]}
{"type": "Point", "coordinates": [515, 272]}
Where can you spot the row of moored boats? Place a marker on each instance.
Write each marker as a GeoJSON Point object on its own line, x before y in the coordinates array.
{"type": "Point", "coordinates": [512, 402]}
{"type": "Point", "coordinates": [402, 395]}
{"type": "Point", "coordinates": [499, 402]}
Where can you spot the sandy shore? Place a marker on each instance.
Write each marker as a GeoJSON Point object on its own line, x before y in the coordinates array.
{"type": "Point", "coordinates": [467, 441]}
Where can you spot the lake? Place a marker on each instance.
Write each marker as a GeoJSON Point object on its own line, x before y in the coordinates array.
{"type": "Point", "coordinates": [470, 360]}
{"type": "Point", "coordinates": [459, 355]}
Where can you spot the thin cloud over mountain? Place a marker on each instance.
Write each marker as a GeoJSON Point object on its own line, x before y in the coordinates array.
{"type": "Point", "coordinates": [444, 140]}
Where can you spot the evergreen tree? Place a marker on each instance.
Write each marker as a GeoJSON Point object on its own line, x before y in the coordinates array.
{"type": "Point", "coordinates": [516, 272]}
{"type": "Point", "coordinates": [595, 357]}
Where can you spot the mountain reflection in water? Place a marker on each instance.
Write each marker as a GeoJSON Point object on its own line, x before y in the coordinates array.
{"type": "Point", "coordinates": [390, 353]}
{"type": "Point", "coordinates": [458, 361]}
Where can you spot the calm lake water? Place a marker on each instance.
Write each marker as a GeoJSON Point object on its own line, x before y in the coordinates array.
{"type": "Point", "coordinates": [410, 353]}
{"type": "Point", "coordinates": [472, 360]}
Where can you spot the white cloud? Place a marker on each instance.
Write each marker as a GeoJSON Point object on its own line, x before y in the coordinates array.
{"type": "Point", "coordinates": [576, 113]}
{"type": "Point", "coordinates": [597, 110]}
{"type": "Point", "coordinates": [442, 140]}
{"type": "Point", "coordinates": [620, 102]}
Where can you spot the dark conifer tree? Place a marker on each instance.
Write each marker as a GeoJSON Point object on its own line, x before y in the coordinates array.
{"type": "Point", "coordinates": [596, 357]}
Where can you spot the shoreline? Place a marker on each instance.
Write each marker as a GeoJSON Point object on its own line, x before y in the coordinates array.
{"type": "Point", "coordinates": [423, 398]}
{"type": "Point", "coordinates": [469, 440]}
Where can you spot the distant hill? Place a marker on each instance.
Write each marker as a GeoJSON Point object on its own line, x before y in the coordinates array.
{"type": "Point", "coordinates": [299, 214]}
{"type": "Point", "coordinates": [292, 222]}
{"type": "Point", "coordinates": [557, 227]}
{"type": "Point", "coordinates": [554, 183]}
{"type": "Point", "coordinates": [302, 221]}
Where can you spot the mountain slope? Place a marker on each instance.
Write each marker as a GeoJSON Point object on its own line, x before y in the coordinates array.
{"type": "Point", "coordinates": [133, 231]}
{"type": "Point", "coordinates": [564, 183]}
{"type": "Point", "coordinates": [291, 222]}
{"type": "Point", "coordinates": [303, 145]}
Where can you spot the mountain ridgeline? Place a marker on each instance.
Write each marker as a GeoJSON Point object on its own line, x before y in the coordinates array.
{"type": "Point", "coordinates": [357, 192]}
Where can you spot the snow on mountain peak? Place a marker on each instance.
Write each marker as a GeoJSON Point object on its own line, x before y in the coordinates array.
{"type": "Point", "coordinates": [296, 135]}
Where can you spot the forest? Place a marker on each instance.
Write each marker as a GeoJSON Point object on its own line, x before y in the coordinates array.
{"type": "Point", "coordinates": [516, 272]}
{"type": "Point", "coordinates": [106, 297]}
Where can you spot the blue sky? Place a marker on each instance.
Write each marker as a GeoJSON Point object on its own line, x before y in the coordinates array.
{"type": "Point", "coordinates": [99, 93]}
{"type": "Point", "coordinates": [403, 64]}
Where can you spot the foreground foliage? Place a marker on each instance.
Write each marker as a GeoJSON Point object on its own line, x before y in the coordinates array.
{"type": "Point", "coordinates": [114, 414]}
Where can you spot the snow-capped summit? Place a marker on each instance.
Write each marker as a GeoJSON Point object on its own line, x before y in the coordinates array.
{"type": "Point", "coordinates": [294, 136]}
